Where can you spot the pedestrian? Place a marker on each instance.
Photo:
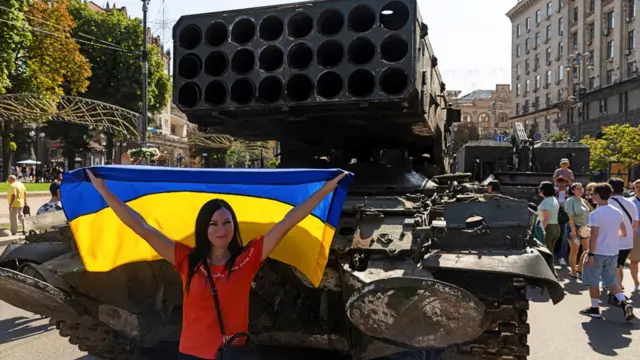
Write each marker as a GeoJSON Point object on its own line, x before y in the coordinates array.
{"type": "Point", "coordinates": [630, 212]}
{"type": "Point", "coordinates": [493, 187]}
{"type": "Point", "coordinates": [17, 197]}
{"type": "Point", "coordinates": [562, 244]}
{"type": "Point", "coordinates": [219, 266]}
{"type": "Point", "coordinates": [548, 214]}
{"type": "Point", "coordinates": [563, 171]}
{"type": "Point", "coordinates": [634, 257]}
{"type": "Point", "coordinates": [607, 224]}
{"type": "Point", "coordinates": [54, 203]}
{"type": "Point", "coordinates": [578, 211]}
{"type": "Point", "coordinates": [588, 190]}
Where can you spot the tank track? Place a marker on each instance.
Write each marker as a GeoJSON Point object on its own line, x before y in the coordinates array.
{"type": "Point", "coordinates": [507, 333]}
{"type": "Point", "coordinates": [97, 339]}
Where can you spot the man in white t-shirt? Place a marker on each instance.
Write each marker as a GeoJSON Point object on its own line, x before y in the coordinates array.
{"type": "Point", "coordinates": [607, 225]}
{"type": "Point", "coordinates": [630, 216]}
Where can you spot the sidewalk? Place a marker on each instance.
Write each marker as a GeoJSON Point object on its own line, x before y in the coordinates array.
{"type": "Point", "coordinates": [30, 194]}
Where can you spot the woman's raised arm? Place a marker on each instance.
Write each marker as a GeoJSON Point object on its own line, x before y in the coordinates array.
{"type": "Point", "coordinates": [157, 240]}
{"type": "Point", "coordinates": [273, 237]}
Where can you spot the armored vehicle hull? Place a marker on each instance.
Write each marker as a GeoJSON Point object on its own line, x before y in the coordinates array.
{"type": "Point", "coordinates": [413, 272]}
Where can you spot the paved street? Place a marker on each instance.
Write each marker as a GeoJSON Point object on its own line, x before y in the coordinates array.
{"type": "Point", "coordinates": [557, 332]}
{"type": "Point", "coordinates": [34, 202]}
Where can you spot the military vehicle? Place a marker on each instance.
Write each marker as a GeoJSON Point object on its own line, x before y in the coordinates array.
{"type": "Point", "coordinates": [521, 164]}
{"type": "Point", "coordinates": [418, 269]}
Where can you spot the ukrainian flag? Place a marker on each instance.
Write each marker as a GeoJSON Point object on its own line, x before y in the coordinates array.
{"type": "Point", "coordinates": [170, 198]}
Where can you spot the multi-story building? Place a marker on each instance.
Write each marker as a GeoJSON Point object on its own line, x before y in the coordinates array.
{"type": "Point", "coordinates": [584, 74]}
{"type": "Point", "coordinates": [488, 109]}
{"type": "Point", "coordinates": [539, 81]}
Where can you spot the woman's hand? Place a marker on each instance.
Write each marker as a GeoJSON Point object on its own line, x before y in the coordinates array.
{"type": "Point", "coordinates": [331, 185]}
{"type": "Point", "coordinates": [99, 184]}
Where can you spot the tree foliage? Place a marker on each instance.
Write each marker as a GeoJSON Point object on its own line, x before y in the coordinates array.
{"type": "Point", "coordinates": [560, 136]}
{"type": "Point", "coordinates": [39, 55]}
{"type": "Point", "coordinates": [618, 143]}
{"type": "Point", "coordinates": [116, 69]}
{"type": "Point", "coordinates": [463, 133]}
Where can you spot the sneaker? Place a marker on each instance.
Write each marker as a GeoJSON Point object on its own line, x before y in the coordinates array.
{"type": "Point", "coordinates": [561, 262]}
{"type": "Point", "coordinates": [636, 288]}
{"type": "Point", "coordinates": [613, 300]}
{"type": "Point", "coordinates": [627, 309]}
{"type": "Point", "coordinates": [591, 311]}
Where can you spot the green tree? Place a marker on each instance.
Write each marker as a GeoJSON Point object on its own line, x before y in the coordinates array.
{"type": "Point", "coordinates": [115, 61]}
{"type": "Point", "coordinates": [46, 59]}
{"type": "Point", "coordinates": [116, 69]}
{"type": "Point", "coordinates": [463, 133]}
{"type": "Point", "coordinates": [619, 143]}
{"type": "Point", "coordinates": [560, 136]}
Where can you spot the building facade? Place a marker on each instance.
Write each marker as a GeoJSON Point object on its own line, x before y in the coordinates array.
{"type": "Point", "coordinates": [574, 64]}
{"type": "Point", "coordinates": [488, 109]}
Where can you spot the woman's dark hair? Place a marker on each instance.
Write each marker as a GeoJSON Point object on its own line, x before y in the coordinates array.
{"type": "Point", "coordinates": [199, 254]}
{"type": "Point", "coordinates": [547, 189]}
{"type": "Point", "coordinates": [573, 187]}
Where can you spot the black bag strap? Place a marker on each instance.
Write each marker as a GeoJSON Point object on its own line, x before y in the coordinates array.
{"type": "Point", "coordinates": [214, 292]}
{"type": "Point", "coordinates": [624, 209]}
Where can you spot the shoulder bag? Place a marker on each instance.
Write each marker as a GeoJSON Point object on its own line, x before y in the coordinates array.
{"type": "Point", "coordinates": [624, 209]}
{"type": "Point", "coordinates": [227, 351]}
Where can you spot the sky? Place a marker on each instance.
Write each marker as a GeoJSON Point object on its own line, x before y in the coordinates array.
{"type": "Point", "coordinates": [471, 38]}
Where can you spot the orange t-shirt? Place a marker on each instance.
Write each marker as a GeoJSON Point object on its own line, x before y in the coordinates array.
{"type": "Point", "coordinates": [201, 335]}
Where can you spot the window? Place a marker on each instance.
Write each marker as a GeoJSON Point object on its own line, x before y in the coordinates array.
{"type": "Point", "coordinates": [561, 48]}
{"type": "Point", "coordinates": [537, 40]}
{"type": "Point", "coordinates": [631, 40]}
{"type": "Point", "coordinates": [527, 44]}
{"type": "Point", "coordinates": [518, 30]}
{"type": "Point", "coordinates": [526, 65]}
{"type": "Point", "coordinates": [518, 109]}
{"type": "Point", "coordinates": [609, 76]}
{"type": "Point", "coordinates": [610, 49]}
{"type": "Point", "coordinates": [574, 41]}
{"type": "Point", "coordinates": [549, 32]}
{"type": "Point", "coordinates": [518, 69]}
{"type": "Point", "coordinates": [527, 86]}
{"type": "Point", "coordinates": [631, 8]}
{"type": "Point", "coordinates": [518, 50]}
{"type": "Point", "coordinates": [592, 83]}
{"type": "Point", "coordinates": [631, 69]}
{"type": "Point", "coordinates": [548, 54]}
{"type": "Point", "coordinates": [561, 73]}
{"type": "Point", "coordinates": [620, 102]}
{"type": "Point", "coordinates": [591, 32]}
{"type": "Point", "coordinates": [561, 4]}
{"type": "Point", "coordinates": [518, 90]}
{"type": "Point", "coordinates": [574, 18]}
{"type": "Point", "coordinates": [536, 61]}
{"type": "Point", "coordinates": [610, 20]}
{"type": "Point", "coordinates": [538, 13]}
{"type": "Point", "coordinates": [548, 78]}
{"type": "Point", "coordinates": [537, 81]}
{"type": "Point", "coordinates": [527, 24]}
{"type": "Point", "coordinates": [549, 9]}
{"type": "Point", "coordinates": [547, 99]}
{"type": "Point", "coordinates": [560, 26]}
{"type": "Point", "coordinates": [592, 5]}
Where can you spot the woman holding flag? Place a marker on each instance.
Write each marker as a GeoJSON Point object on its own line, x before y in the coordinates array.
{"type": "Point", "coordinates": [216, 273]}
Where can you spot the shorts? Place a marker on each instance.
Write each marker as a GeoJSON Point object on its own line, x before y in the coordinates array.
{"type": "Point", "coordinates": [604, 267]}
{"type": "Point", "coordinates": [635, 252]}
{"type": "Point", "coordinates": [622, 257]}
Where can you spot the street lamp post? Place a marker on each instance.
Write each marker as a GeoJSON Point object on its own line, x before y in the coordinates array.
{"type": "Point", "coordinates": [36, 136]}
{"type": "Point", "coordinates": [494, 107]}
{"type": "Point", "coordinates": [574, 62]}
